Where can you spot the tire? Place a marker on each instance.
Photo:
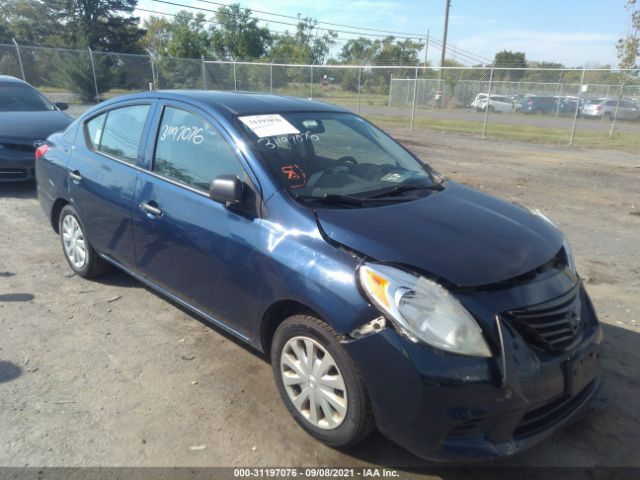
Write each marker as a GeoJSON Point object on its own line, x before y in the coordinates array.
{"type": "Point", "coordinates": [356, 421]}
{"type": "Point", "coordinates": [73, 239]}
{"type": "Point", "coordinates": [607, 116]}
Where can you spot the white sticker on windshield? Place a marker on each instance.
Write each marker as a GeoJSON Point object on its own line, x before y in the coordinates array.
{"type": "Point", "coordinates": [268, 125]}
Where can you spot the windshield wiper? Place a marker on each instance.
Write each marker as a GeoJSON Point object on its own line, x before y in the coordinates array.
{"type": "Point", "coordinates": [398, 189]}
{"type": "Point", "coordinates": [331, 198]}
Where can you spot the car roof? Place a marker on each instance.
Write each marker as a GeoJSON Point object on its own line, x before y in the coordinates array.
{"type": "Point", "coordinates": [5, 79]}
{"type": "Point", "coordinates": [230, 104]}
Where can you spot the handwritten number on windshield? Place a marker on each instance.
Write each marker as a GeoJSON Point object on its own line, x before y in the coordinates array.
{"type": "Point", "coordinates": [285, 140]}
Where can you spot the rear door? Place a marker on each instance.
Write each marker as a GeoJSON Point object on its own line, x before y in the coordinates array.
{"type": "Point", "coordinates": [102, 173]}
{"type": "Point", "coordinates": [192, 247]}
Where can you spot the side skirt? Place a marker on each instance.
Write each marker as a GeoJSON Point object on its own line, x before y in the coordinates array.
{"type": "Point", "coordinates": [178, 300]}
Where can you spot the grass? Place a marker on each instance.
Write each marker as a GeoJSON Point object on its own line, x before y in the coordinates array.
{"type": "Point", "coordinates": [524, 133]}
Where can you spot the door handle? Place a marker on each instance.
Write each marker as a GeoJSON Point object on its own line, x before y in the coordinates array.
{"type": "Point", "coordinates": [75, 176]}
{"type": "Point", "coordinates": [151, 209]}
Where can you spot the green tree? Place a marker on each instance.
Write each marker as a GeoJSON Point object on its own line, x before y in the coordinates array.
{"type": "Point", "coordinates": [506, 59]}
{"type": "Point", "coordinates": [358, 50]}
{"type": "Point", "coordinates": [189, 38]}
{"type": "Point", "coordinates": [157, 35]}
{"type": "Point", "coordinates": [29, 22]}
{"type": "Point", "coordinates": [387, 51]}
{"type": "Point", "coordinates": [629, 46]}
{"type": "Point", "coordinates": [77, 77]}
{"type": "Point", "coordinates": [307, 45]}
{"type": "Point", "coordinates": [100, 24]}
{"type": "Point", "coordinates": [238, 35]}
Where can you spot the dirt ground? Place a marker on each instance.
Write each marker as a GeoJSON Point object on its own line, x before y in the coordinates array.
{"type": "Point", "coordinates": [108, 373]}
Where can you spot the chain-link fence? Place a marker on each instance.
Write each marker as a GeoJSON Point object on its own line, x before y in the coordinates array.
{"type": "Point", "coordinates": [586, 107]}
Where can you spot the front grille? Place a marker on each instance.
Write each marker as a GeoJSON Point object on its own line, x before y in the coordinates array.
{"type": "Point", "coordinates": [13, 174]}
{"type": "Point", "coordinates": [544, 417]}
{"type": "Point", "coordinates": [19, 147]}
{"type": "Point", "coordinates": [555, 326]}
{"type": "Point", "coordinates": [467, 429]}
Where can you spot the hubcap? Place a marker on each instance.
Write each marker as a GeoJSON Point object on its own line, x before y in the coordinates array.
{"type": "Point", "coordinates": [73, 241]}
{"type": "Point", "coordinates": [313, 382]}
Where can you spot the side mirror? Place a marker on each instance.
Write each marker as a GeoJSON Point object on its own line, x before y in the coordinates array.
{"type": "Point", "coordinates": [62, 106]}
{"type": "Point", "coordinates": [226, 189]}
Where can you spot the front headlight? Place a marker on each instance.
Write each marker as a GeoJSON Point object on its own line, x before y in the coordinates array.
{"type": "Point", "coordinates": [423, 310]}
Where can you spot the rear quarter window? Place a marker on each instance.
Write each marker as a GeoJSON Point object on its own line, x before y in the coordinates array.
{"type": "Point", "coordinates": [118, 132]}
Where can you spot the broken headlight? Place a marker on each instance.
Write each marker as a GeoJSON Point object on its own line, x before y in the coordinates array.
{"type": "Point", "coordinates": [423, 310]}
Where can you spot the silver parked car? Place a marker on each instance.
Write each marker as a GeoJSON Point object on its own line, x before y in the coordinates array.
{"type": "Point", "coordinates": [606, 108]}
{"type": "Point", "coordinates": [497, 103]}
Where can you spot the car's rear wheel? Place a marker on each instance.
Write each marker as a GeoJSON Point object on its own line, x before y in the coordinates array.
{"type": "Point", "coordinates": [319, 383]}
{"type": "Point", "coordinates": [80, 255]}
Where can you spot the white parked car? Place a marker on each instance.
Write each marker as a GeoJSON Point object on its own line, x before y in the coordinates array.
{"type": "Point", "coordinates": [497, 103]}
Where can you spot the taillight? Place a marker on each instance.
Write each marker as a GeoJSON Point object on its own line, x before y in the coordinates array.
{"type": "Point", "coordinates": [530, 102]}
{"type": "Point", "coordinates": [599, 108]}
{"type": "Point", "coordinates": [41, 150]}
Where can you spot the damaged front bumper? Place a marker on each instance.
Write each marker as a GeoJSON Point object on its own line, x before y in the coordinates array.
{"type": "Point", "coordinates": [448, 407]}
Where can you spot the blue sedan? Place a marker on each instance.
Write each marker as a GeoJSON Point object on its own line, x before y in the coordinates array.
{"type": "Point", "coordinates": [385, 295]}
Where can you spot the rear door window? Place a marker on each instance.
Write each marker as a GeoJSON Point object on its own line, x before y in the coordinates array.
{"type": "Point", "coordinates": [191, 151]}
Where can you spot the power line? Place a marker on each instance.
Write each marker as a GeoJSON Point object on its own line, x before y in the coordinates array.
{"type": "Point", "coordinates": [475, 59]}
{"type": "Point", "coordinates": [470, 56]}
{"type": "Point", "coordinates": [392, 32]}
{"type": "Point", "coordinates": [281, 22]}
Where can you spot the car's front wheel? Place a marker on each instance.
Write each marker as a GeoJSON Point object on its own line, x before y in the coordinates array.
{"type": "Point", "coordinates": [318, 382]}
{"type": "Point", "coordinates": [80, 255]}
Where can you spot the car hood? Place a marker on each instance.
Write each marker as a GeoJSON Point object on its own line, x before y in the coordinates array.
{"type": "Point", "coordinates": [459, 234]}
{"type": "Point", "coordinates": [32, 125]}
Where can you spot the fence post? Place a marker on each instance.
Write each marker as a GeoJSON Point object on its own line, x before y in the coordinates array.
{"type": "Point", "coordinates": [311, 81]}
{"type": "Point", "coordinates": [559, 100]}
{"type": "Point", "coordinates": [153, 69]}
{"type": "Point", "coordinates": [615, 114]}
{"type": "Point", "coordinates": [271, 78]}
{"type": "Point", "coordinates": [359, 85]}
{"type": "Point", "coordinates": [415, 94]}
{"type": "Point", "coordinates": [204, 73]}
{"type": "Point", "coordinates": [486, 109]}
{"type": "Point", "coordinates": [95, 79]}
{"type": "Point", "coordinates": [235, 79]}
{"type": "Point", "coordinates": [19, 59]}
{"type": "Point", "coordinates": [575, 115]}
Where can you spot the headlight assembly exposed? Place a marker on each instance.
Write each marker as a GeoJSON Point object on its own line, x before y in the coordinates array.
{"type": "Point", "coordinates": [565, 243]}
{"type": "Point", "coordinates": [423, 310]}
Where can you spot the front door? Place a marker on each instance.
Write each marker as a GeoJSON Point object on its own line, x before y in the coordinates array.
{"type": "Point", "coordinates": [187, 244]}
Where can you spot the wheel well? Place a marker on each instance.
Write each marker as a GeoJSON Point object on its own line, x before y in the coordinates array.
{"type": "Point", "coordinates": [275, 315]}
{"type": "Point", "coordinates": [55, 213]}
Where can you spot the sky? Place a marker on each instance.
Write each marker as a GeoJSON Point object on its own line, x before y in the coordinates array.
{"type": "Point", "coordinates": [571, 32]}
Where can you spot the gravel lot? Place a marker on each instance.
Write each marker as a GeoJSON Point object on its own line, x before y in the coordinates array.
{"type": "Point", "coordinates": [108, 373]}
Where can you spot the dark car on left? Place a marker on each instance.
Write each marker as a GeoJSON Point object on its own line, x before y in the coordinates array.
{"type": "Point", "coordinates": [27, 118]}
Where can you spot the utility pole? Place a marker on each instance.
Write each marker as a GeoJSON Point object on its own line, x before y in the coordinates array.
{"type": "Point", "coordinates": [426, 48]}
{"type": "Point", "coordinates": [447, 4]}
